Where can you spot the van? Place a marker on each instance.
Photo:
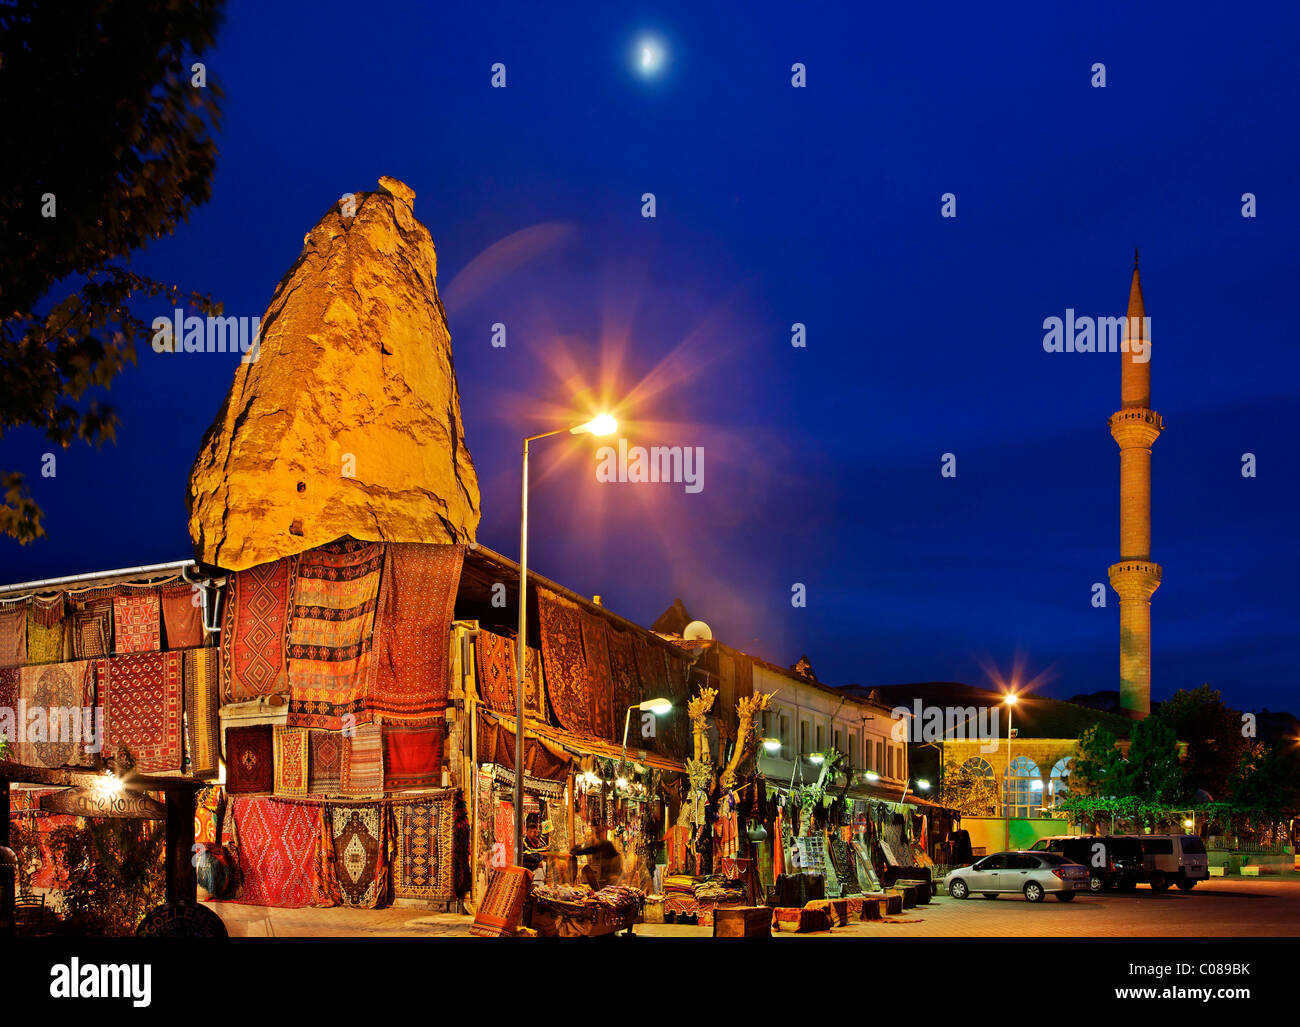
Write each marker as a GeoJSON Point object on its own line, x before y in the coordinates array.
{"type": "Point", "coordinates": [1178, 859]}
{"type": "Point", "coordinates": [1113, 861]}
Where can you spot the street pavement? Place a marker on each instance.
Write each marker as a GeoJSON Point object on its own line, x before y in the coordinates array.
{"type": "Point", "coordinates": [1221, 907]}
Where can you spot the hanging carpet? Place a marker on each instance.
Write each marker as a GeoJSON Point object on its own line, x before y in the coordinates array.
{"type": "Point", "coordinates": [13, 635]}
{"type": "Point", "coordinates": [413, 753]}
{"type": "Point", "coordinates": [138, 623]}
{"type": "Point", "coordinates": [426, 858]}
{"type": "Point", "coordinates": [141, 695]}
{"type": "Point", "coordinates": [496, 675]}
{"type": "Point", "coordinates": [290, 755]}
{"type": "Point", "coordinates": [278, 843]}
{"type": "Point", "coordinates": [182, 616]}
{"type": "Point", "coordinates": [62, 692]}
{"type": "Point", "coordinates": [563, 662]}
{"type": "Point", "coordinates": [363, 762]}
{"type": "Point", "coordinates": [253, 631]}
{"type": "Point", "coordinates": [355, 856]}
{"type": "Point", "coordinates": [202, 676]}
{"type": "Point", "coordinates": [250, 760]}
{"type": "Point", "coordinates": [324, 762]}
{"type": "Point", "coordinates": [331, 634]}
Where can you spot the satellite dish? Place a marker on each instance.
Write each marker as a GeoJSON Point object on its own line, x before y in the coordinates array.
{"type": "Point", "coordinates": [697, 631]}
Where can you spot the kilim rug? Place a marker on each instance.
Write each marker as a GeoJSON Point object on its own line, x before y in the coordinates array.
{"type": "Point", "coordinates": [599, 686]}
{"type": "Point", "coordinates": [324, 762]}
{"type": "Point", "coordinates": [138, 623]}
{"type": "Point", "coordinates": [45, 643]}
{"type": "Point", "coordinates": [425, 864]}
{"type": "Point", "coordinates": [253, 631]}
{"type": "Point", "coordinates": [563, 662]}
{"type": "Point", "coordinates": [277, 850]}
{"type": "Point", "coordinates": [92, 629]}
{"type": "Point", "coordinates": [626, 685]}
{"type": "Point", "coordinates": [250, 759]}
{"type": "Point", "coordinates": [356, 856]}
{"type": "Point", "coordinates": [290, 745]}
{"type": "Point", "coordinates": [503, 903]}
{"type": "Point", "coordinates": [413, 753]}
{"type": "Point", "coordinates": [363, 762]}
{"type": "Point", "coordinates": [664, 677]}
{"type": "Point", "coordinates": [202, 670]}
{"type": "Point", "coordinates": [331, 633]}
{"type": "Point", "coordinates": [417, 599]}
{"type": "Point", "coordinates": [496, 656]}
{"type": "Point", "coordinates": [61, 692]}
{"type": "Point", "coordinates": [13, 635]}
{"type": "Point", "coordinates": [141, 695]}
{"type": "Point", "coordinates": [182, 616]}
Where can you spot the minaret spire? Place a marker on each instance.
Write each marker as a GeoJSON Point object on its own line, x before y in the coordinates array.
{"type": "Point", "coordinates": [1135, 426]}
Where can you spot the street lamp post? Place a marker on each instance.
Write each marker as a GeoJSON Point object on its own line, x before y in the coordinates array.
{"type": "Point", "coordinates": [1010, 703]}
{"type": "Point", "coordinates": [601, 425]}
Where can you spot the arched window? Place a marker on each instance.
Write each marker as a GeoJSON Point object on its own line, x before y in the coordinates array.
{"type": "Point", "coordinates": [977, 767]}
{"type": "Point", "coordinates": [1060, 782]}
{"type": "Point", "coordinates": [1023, 792]}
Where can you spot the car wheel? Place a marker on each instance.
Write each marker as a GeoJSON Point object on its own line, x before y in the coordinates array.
{"type": "Point", "coordinates": [958, 889]}
{"type": "Point", "coordinates": [1065, 896]}
{"type": "Point", "coordinates": [990, 895]}
{"type": "Point", "coordinates": [1185, 885]}
{"type": "Point", "coordinates": [1096, 883]}
{"type": "Point", "coordinates": [1034, 892]}
{"type": "Point", "coordinates": [1159, 882]}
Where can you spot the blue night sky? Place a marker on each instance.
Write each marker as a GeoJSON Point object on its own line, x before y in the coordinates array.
{"type": "Point", "coordinates": [779, 205]}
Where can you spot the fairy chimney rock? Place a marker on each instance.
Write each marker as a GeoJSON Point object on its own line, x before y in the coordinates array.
{"type": "Point", "coordinates": [348, 420]}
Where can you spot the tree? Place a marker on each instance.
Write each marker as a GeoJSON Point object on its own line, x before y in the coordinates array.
{"type": "Point", "coordinates": [1097, 763]}
{"type": "Point", "coordinates": [1212, 732]}
{"type": "Point", "coordinates": [971, 794]}
{"type": "Point", "coordinates": [107, 144]}
{"type": "Point", "coordinates": [1151, 771]}
{"type": "Point", "coordinates": [1267, 782]}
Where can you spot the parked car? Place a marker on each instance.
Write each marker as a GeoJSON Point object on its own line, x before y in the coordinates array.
{"type": "Point", "coordinates": [1178, 859]}
{"type": "Point", "coordinates": [1113, 861]}
{"type": "Point", "coordinates": [1032, 874]}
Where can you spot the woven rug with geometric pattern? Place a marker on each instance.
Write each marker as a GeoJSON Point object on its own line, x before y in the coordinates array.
{"type": "Point", "coordinates": [425, 864]}
{"type": "Point", "coordinates": [277, 850]}
{"type": "Point", "coordinates": [141, 695]}
{"type": "Point", "coordinates": [253, 631]}
{"type": "Point", "coordinates": [331, 634]}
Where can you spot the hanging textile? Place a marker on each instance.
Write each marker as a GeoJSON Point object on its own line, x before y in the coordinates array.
{"type": "Point", "coordinates": [278, 843]}
{"type": "Point", "coordinates": [413, 753]}
{"type": "Point", "coordinates": [92, 631]}
{"type": "Point", "coordinates": [778, 847]}
{"type": "Point", "coordinates": [425, 866]}
{"type": "Point", "coordinates": [417, 599]}
{"type": "Point", "coordinates": [13, 635]}
{"type": "Point", "coordinates": [137, 623]}
{"type": "Point", "coordinates": [253, 631]}
{"type": "Point", "coordinates": [182, 615]}
{"type": "Point", "coordinates": [563, 662]}
{"type": "Point", "coordinates": [324, 762]}
{"type": "Point", "coordinates": [331, 634]}
{"type": "Point", "coordinates": [363, 762]}
{"type": "Point", "coordinates": [626, 685]}
{"type": "Point", "coordinates": [141, 695]}
{"type": "Point", "coordinates": [290, 754]}
{"type": "Point", "coordinates": [355, 856]}
{"type": "Point", "coordinates": [9, 692]}
{"type": "Point", "coordinates": [495, 655]}
{"type": "Point", "coordinates": [202, 678]}
{"type": "Point", "coordinates": [209, 805]}
{"type": "Point", "coordinates": [61, 692]}
{"type": "Point", "coordinates": [599, 686]}
{"type": "Point", "coordinates": [47, 635]}
{"type": "Point", "coordinates": [250, 759]}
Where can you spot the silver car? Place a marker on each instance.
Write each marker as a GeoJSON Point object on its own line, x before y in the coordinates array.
{"type": "Point", "coordinates": [1031, 874]}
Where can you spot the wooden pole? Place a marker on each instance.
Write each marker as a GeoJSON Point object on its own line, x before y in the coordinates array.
{"type": "Point", "coordinates": [182, 880]}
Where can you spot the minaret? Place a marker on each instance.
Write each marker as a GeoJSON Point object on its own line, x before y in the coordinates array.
{"type": "Point", "coordinates": [1135, 578]}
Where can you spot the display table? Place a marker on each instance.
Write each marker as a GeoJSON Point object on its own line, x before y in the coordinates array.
{"type": "Point", "coordinates": [577, 912]}
{"type": "Point", "coordinates": [742, 922]}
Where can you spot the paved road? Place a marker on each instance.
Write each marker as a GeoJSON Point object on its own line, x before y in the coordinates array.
{"type": "Point", "coordinates": [1219, 908]}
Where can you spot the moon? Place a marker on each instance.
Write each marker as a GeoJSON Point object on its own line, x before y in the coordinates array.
{"type": "Point", "coordinates": [649, 55]}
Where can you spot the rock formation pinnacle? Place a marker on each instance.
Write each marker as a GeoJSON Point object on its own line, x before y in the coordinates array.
{"type": "Point", "coordinates": [348, 422]}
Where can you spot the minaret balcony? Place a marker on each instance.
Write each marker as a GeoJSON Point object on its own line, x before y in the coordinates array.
{"type": "Point", "coordinates": [1135, 579]}
{"type": "Point", "coordinates": [1135, 427]}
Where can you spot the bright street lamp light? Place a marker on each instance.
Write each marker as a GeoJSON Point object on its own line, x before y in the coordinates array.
{"type": "Point", "coordinates": [601, 424]}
